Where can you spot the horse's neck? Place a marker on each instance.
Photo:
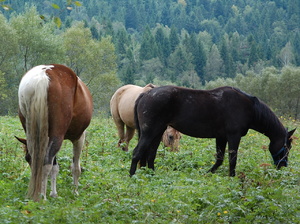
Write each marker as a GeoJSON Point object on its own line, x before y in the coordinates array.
{"type": "Point", "coordinates": [272, 130]}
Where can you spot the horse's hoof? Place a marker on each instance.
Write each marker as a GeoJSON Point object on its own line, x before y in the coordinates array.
{"type": "Point", "coordinates": [211, 170]}
{"type": "Point", "coordinates": [53, 195]}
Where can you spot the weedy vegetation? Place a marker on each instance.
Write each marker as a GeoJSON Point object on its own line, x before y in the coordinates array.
{"type": "Point", "coordinates": [179, 191]}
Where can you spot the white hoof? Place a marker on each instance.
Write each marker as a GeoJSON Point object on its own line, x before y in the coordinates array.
{"type": "Point", "coordinates": [53, 195]}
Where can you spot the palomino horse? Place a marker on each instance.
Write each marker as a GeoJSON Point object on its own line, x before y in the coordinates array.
{"type": "Point", "coordinates": [122, 110]}
{"type": "Point", "coordinates": [54, 104]}
{"type": "Point", "coordinates": [171, 138]}
{"type": "Point", "coordinates": [225, 113]}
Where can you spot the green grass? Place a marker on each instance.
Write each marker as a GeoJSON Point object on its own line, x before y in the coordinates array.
{"type": "Point", "coordinates": [179, 191]}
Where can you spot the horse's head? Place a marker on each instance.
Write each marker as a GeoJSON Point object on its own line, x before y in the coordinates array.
{"type": "Point", "coordinates": [171, 138]}
{"type": "Point", "coordinates": [27, 155]}
{"type": "Point", "coordinates": [280, 156]}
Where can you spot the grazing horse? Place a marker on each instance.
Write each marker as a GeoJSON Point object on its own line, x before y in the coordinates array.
{"type": "Point", "coordinates": [122, 110]}
{"type": "Point", "coordinates": [54, 104]}
{"type": "Point", "coordinates": [225, 113]}
{"type": "Point", "coordinates": [171, 139]}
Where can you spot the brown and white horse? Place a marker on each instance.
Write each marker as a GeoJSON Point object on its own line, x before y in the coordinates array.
{"type": "Point", "coordinates": [54, 104]}
{"type": "Point", "coordinates": [122, 111]}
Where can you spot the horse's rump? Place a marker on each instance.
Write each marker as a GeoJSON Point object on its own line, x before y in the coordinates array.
{"type": "Point", "coordinates": [122, 103]}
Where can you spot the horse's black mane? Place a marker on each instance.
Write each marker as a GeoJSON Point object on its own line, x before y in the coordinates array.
{"type": "Point", "coordinates": [264, 117]}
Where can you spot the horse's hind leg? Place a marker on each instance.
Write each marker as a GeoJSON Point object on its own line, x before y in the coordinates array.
{"type": "Point", "coordinates": [152, 152]}
{"type": "Point", "coordinates": [53, 148]}
{"type": "Point", "coordinates": [220, 147]}
{"type": "Point", "coordinates": [121, 132]}
{"type": "Point", "coordinates": [53, 174]}
{"type": "Point", "coordinates": [46, 171]}
{"type": "Point", "coordinates": [145, 151]}
{"type": "Point", "coordinates": [76, 170]}
{"type": "Point", "coordinates": [128, 136]}
{"type": "Point", "coordinates": [139, 154]}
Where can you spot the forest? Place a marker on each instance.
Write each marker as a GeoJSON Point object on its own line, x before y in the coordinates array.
{"type": "Point", "coordinates": [253, 45]}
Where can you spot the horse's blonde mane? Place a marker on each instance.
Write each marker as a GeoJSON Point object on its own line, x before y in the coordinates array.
{"type": "Point", "coordinates": [33, 91]}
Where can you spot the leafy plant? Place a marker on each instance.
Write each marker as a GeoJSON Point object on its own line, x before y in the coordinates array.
{"type": "Point", "coordinates": [179, 191]}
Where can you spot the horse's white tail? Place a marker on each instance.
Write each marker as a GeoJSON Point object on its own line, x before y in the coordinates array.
{"type": "Point", "coordinates": [33, 91]}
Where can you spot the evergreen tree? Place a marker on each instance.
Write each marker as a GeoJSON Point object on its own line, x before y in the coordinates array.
{"type": "Point", "coordinates": [174, 39]}
{"type": "Point", "coordinates": [166, 16]}
{"type": "Point", "coordinates": [148, 46]}
{"type": "Point", "coordinates": [199, 60]}
{"type": "Point", "coordinates": [131, 20]}
{"type": "Point", "coordinates": [227, 60]}
{"type": "Point", "coordinates": [180, 61]}
{"type": "Point", "coordinates": [128, 76]}
{"type": "Point", "coordinates": [214, 64]}
{"type": "Point", "coordinates": [163, 45]}
{"type": "Point", "coordinates": [296, 47]}
{"type": "Point", "coordinates": [253, 56]}
{"type": "Point", "coordinates": [121, 41]}
{"type": "Point", "coordinates": [160, 39]}
{"type": "Point", "coordinates": [94, 32]}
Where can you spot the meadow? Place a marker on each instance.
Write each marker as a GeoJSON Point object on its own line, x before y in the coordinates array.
{"type": "Point", "coordinates": [179, 191]}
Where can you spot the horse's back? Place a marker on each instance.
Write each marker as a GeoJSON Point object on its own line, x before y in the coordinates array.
{"type": "Point", "coordinates": [70, 103]}
{"type": "Point", "coordinates": [198, 113]}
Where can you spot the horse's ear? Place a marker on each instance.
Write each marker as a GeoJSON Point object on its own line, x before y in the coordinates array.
{"type": "Point", "coordinates": [290, 133]}
{"type": "Point", "coordinates": [22, 140]}
{"type": "Point", "coordinates": [150, 85]}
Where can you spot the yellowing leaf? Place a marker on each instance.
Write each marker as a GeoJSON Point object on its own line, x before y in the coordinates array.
{"type": "Point", "coordinates": [25, 212]}
{"type": "Point", "coordinates": [77, 3]}
{"type": "Point", "coordinates": [57, 21]}
{"type": "Point", "coordinates": [55, 6]}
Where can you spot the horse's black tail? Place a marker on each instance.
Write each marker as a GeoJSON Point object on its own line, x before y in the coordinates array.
{"type": "Point", "coordinates": [136, 119]}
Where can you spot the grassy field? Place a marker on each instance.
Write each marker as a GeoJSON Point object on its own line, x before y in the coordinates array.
{"type": "Point", "coordinates": [181, 191]}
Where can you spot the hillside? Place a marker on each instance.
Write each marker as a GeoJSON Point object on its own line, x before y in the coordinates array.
{"type": "Point", "coordinates": [187, 43]}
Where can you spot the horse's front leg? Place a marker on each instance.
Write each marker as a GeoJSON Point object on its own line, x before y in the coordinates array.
{"type": "Point", "coordinates": [76, 169]}
{"type": "Point", "coordinates": [233, 143]}
{"type": "Point", "coordinates": [53, 174]}
{"type": "Point", "coordinates": [220, 149]}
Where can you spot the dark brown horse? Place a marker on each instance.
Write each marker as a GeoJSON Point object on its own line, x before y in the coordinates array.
{"type": "Point", "coordinates": [225, 114]}
{"type": "Point", "coordinates": [54, 104]}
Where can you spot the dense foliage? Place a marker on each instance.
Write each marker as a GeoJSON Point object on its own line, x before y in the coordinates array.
{"type": "Point", "coordinates": [181, 42]}
{"type": "Point", "coordinates": [180, 191]}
